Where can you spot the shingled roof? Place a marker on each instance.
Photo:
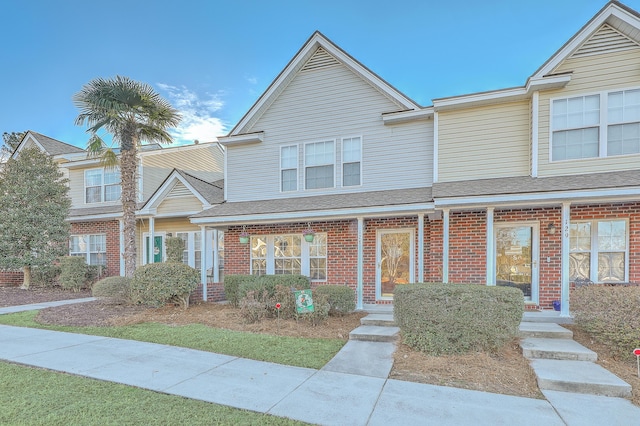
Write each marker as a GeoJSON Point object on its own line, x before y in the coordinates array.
{"type": "Point", "coordinates": [400, 197]}
{"type": "Point", "coordinates": [213, 192]}
{"type": "Point", "coordinates": [55, 147]}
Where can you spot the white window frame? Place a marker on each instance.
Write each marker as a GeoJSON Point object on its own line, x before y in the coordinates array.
{"type": "Point", "coordinates": [87, 252]}
{"type": "Point", "coordinates": [332, 164]}
{"type": "Point", "coordinates": [103, 186]}
{"type": "Point", "coordinates": [192, 248]}
{"type": "Point", "coordinates": [343, 162]}
{"type": "Point", "coordinates": [304, 254]}
{"type": "Point", "coordinates": [282, 169]}
{"type": "Point", "coordinates": [594, 250]}
{"type": "Point", "coordinates": [603, 126]}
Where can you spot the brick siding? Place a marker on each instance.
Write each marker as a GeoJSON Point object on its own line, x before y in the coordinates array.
{"type": "Point", "coordinates": [112, 231]}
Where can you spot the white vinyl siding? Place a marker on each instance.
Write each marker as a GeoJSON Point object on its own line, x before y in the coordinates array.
{"type": "Point", "coordinates": [102, 185]}
{"type": "Point", "coordinates": [594, 74]}
{"type": "Point", "coordinates": [92, 247]}
{"type": "Point", "coordinates": [319, 165]}
{"type": "Point", "coordinates": [179, 205]}
{"type": "Point", "coordinates": [289, 168]}
{"type": "Point", "coordinates": [329, 104]}
{"type": "Point", "coordinates": [351, 161]}
{"type": "Point", "coordinates": [484, 142]}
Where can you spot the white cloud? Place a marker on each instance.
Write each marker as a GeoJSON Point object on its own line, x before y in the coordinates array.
{"type": "Point", "coordinates": [198, 115]}
{"type": "Point", "coordinates": [252, 80]}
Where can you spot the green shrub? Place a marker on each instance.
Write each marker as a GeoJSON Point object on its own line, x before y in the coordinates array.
{"type": "Point", "coordinates": [232, 287]}
{"type": "Point", "coordinates": [46, 276]}
{"type": "Point", "coordinates": [175, 249]}
{"type": "Point", "coordinates": [342, 299]}
{"type": "Point", "coordinates": [73, 273]}
{"type": "Point", "coordinates": [321, 307]}
{"type": "Point", "coordinates": [456, 318]}
{"type": "Point", "coordinates": [93, 274]}
{"type": "Point", "coordinates": [610, 315]}
{"type": "Point", "coordinates": [113, 290]}
{"type": "Point", "coordinates": [157, 284]}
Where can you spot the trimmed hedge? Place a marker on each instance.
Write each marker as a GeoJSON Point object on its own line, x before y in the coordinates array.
{"type": "Point", "coordinates": [341, 299]}
{"type": "Point", "coordinates": [73, 272]}
{"type": "Point", "coordinates": [113, 290]}
{"type": "Point", "coordinates": [157, 284]}
{"type": "Point", "coordinates": [610, 315]}
{"type": "Point", "coordinates": [45, 276]}
{"type": "Point", "coordinates": [456, 318]}
{"type": "Point", "coordinates": [232, 287]}
{"type": "Point", "coordinates": [237, 286]}
{"type": "Point", "coordinates": [174, 248]}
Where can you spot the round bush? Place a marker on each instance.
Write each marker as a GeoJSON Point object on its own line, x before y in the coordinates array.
{"type": "Point", "coordinates": [113, 290]}
{"type": "Point", "coordinates": [157, 284]}
{"type": "Point", "coordinates": [342, 299]}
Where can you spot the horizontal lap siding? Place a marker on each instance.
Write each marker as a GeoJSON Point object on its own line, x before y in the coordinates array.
{"type": "Point", "coordinates": [590, 75]}
{"type": "Point", "coordinates": [485, 142]}
{"type": "Point", "coordinates": [179, 205]}
{"type": "Point", "coordinates": [204, 162]}
{"type": "Point", "coordinates": [330, 104]}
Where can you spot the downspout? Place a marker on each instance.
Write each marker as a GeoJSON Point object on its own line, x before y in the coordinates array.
{"type": "Point", "coordinates": [360, 273]}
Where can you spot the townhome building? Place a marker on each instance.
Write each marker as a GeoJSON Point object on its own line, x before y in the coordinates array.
{"type": "Point", "coordinates": [535, 187]}
{"type": "Point", "coordinates": [174, 183]}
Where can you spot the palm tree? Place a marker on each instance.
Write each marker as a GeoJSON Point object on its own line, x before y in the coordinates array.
{"type": "Point", "coordinates": [132, 112]}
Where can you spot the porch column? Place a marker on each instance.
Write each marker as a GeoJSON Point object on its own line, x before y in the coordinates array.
{"type": "Point", "coordinates": [564, 286]}
{"type": "Point", "coordinates": [203, 261]}
{"type": "Point", "coordinates": [152, 241]}
{"type": "Point", "coordinates": [360, 274]}
{"type": "Point", "coordinates": [420, 247]}
{"type": "Point", "coordinates": [445, 246]}
{"type": "Point", "coordinates": [491, 258]}
{"type": "Point", "coordinates": [216, 258]}
{"type": "Point", "coordinates": [121, 223]}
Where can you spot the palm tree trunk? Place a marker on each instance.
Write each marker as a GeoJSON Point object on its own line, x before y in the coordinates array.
{"type": "Point", "coordinates": [129, 181]}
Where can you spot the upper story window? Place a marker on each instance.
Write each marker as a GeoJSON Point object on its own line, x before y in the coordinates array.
{"type": "Point", "coordinates": [575, 128]}
{"type": "Point", "coordinates": [600, 125]}
{"type": "Point", "coordinates": [102, 185]}
{"type": "Point", "coordinates": [289, 168]}
{"type": "Point", "coordinates": [351, 161]}
{"type": "Point", "coordinates": [319, 162]}
{"type": "Point", "coordinates": [623, 132]}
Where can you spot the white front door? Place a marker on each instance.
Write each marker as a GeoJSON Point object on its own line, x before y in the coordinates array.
{"type": "Point", "coordinates": [394, 260]}
{"type": "Point", "coordinates": [517, 257]}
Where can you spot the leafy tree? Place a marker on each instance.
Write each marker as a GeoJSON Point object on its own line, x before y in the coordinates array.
{"type": "Point", "coordinates": [33, 208]}
{"type": "Point", "coordinates": [10, 142]}
{"type": "Point", "coordinates": [132, 112]}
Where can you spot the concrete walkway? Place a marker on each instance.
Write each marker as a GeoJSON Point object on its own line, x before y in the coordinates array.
{"type": "Point", "coordinates": [333, 395]}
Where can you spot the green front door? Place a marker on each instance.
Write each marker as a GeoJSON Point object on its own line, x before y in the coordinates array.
{"type": "Point", "coordinates": [157, 249]}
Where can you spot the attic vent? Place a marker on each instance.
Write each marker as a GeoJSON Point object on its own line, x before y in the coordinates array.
{"type": "Point", "coordinates": [320, 59]}
{"type": "Point", "coordinates": [179, 190]}
{"type": "Point", "coordinates": [606, 39]}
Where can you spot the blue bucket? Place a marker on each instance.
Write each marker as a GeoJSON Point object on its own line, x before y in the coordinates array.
{"type": "Point", "coordinates": [556, 305]}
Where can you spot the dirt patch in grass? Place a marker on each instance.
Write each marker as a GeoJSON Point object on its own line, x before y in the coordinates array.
{"type": "Point", "coordinates": [507, 372]}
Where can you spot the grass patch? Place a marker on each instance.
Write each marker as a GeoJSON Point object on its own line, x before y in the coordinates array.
{"type": "Point", "coordinates": [31, 396]}
{"type": "Point", "coordinates": [299, 352]}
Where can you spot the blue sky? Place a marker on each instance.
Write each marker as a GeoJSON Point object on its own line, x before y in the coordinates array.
{"type": "Point", "coordinates": [212, 59]}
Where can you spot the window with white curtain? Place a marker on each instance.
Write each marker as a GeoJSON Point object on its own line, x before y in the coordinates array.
{"type": "Point", "coordinates": [92, 247]}
{"type": "Point", "coordinates": [289, 254]}
{"type": "Point", "coordinates": [102, 185]}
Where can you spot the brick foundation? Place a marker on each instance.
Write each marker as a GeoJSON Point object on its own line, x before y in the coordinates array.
{"type": "Point", "coordinates": [11, 278]}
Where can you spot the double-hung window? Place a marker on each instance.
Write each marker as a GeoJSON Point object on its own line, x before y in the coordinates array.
{"type": "Point", "coordinates": [289, 254]}
{"type": "Point", "coordinates": [576, 128]}
{"type": "Point", "coordinates": [289, 168]}
{"type": "Point", "coordinates": [92, 247]}
{"type": "Point", "coordinates": [102, 185]}
{"type": "Point", "coordinates": [192, 252]}
{"type": "Point", "coordinates": [599, 251]}
{"type": "Point", "coordinates": [623, 132]}
{"type": "Point", "coordinates": [351, 161]}
{"type": "Point", "coordinates": [319, 162]}
{"type": "Point", "coordinates": [599, 125]}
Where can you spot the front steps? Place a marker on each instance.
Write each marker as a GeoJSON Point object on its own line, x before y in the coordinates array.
{"type": "Point", "coordinates": [561, 364]}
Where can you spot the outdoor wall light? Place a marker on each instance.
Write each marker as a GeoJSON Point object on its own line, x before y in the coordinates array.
{"type": "Point", "coordinates": [551, 228]}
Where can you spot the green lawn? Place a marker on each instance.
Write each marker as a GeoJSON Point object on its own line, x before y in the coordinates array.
{"type": "Point", "coordinates": [31, 396]}
{"type": "Point", "coordinates": [299, 352]}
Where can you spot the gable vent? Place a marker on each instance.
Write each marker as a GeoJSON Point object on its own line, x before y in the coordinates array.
{"type": "Point", "coordinates": [320, 59]}
{"type": "Point", "coordinates": [179, 190]}
{"type": "Point", "coordinates": [606, 39]}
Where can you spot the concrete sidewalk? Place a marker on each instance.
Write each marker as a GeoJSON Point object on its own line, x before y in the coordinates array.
{"type": "Point", "coordinates": [352, 389]}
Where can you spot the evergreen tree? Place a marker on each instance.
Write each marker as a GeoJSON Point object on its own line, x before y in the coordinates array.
{"type": "Point", "coordinates": [33, 208]}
